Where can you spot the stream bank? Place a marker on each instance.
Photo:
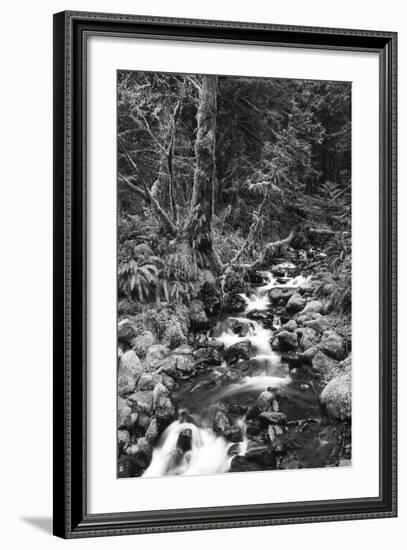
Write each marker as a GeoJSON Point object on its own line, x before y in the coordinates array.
{"type": "Point", "coordinates": [253, 375]}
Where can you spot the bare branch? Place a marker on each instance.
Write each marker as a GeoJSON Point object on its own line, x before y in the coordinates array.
{"type": "Point", "coordinates": [133, 187]}
{"type": "Point", "coordinates": [194, 83]}
{"type": "Point", "coordinates": [170, 226]}
{"type": "Point", "coordinates": [269, 250]}
{"type": "Point", "coordinates": [146, 126]}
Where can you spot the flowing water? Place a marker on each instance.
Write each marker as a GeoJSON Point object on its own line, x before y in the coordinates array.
{"type": "Point", "coordinates": [238, 386]}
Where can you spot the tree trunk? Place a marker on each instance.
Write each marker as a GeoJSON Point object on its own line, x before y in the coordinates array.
{"type": "Point", "coordinates": [198, 223]}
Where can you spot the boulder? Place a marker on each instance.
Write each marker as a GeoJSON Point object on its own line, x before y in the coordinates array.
{"type": "Point", "coordinates": [147, 381]}
{"type": "Point", "coordinates": [233, 434]}
{"type": "Point", "coordinates": [160, 395]}
{"type": "Point", "coordinates": [291, 325]}
{"type": "Point", "coordinates": [322, 363]}
{"type": "Point", "coordinates": [142, 401]}
{"type": "Point", "coordinates": [346, 364]}
{"type": "Point", "coordinates": [221, 421]}
{"type": "Point", "coordinates": [140, 344]}
{"type": "Point", "coordinates": [293, 359]}
{"type": "Point", "coordinates": [241, 350]}
{"type": "Point", "coordinates": [128, 373]}
{"type": "Point", "coordinates": [174, 335]}
{"type": "Point", "coordinates": [336, 397]}
{"type": "Point", "coordinates": [234, 449]}
{"type": "Point", "coordinates": [253, 428]}
{"type": "Point", "coordinates": [275, 295]}
{"type": "Point", "coordinates": [222, 425]}
{"type": "Point", "coordinates": [314, 306]}
{"type": "Point", "coordinates": [260, 315]}
{"type": "Point", "coordinates": [233, 302]}
{"type": "Point", "coordinates": [167, 380]}
{"type": "Point", "coordinates": [123, 440]}
{"type": "Point", "coordinates": [266, 418]}
{"type": "Point", "coordinates": [155, 356]}
{"type": "Point", "coordinates": [201, 340]}
{"type": "Point", "coordinates": [183, 350]}
{"type": "Point", "coordinates": [278, 393]}
{"type": "Point", "coordinates": [126, 307]}
{"type": "Point", "coordinates": [287, 294]}
{"type": "Point", "coordinates": [164, 409]}
{"type": "Point", "coordinates": [197, 316]}
{"type": "Point", "coordinates": [264, 401]}
{"type": "Point", "coordinates": [178, 366]}
{"type": "Point", "coordinates": [308, 338]}
{"type": "Point", "coordinates": [124, 414]}
{"type": "Point", "coordinates": [235, 409]}
{"type": "Point", "coordinates": [127, 467]}
{"type": "Point", "coordinates": [231, 375]}
{"type": "Point", "coordinates": [263, 457]}
{"type": "Point", "coordinates": [238, 327]}
{"type": "Point", "coordinates": [184, 441]}
{"type": "Point", "coordinates": [185, 365]}
{"type": "Point", "coordinates": [242, 464]}
{"type": "Point", "coordinates": [126, 331]}
{"type": "Point", "coordinates": [278, 270]}
{"type": "Point", "coordinates": [143, 421]}
{"type": "Point", "coordinates": [306, 288]}
{"type": "Point", "coordinates": [165, 415]}
{"type": "Point", "coordinates": [152, 430]}
{"type": "Point", "coordinates": [332, 344]}
{"type": "Point", "coordinates": [309, 354]}
{"type": "Point", "coordinates": [295, 303]}
{"type": "Point", "coordinates": [141, 453]}
{"type": "Point", "coordinates": [285, 341]}
{"type": "Point", "coordinates": [302, 317]}
{"type": "Point", "coordinates": [207, 356]}
{"type": "Point", "coordinates": [319, 325]}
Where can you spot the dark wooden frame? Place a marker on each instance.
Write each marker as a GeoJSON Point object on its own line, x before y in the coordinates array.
{"type": "Point", "coordinates": [71, 518]}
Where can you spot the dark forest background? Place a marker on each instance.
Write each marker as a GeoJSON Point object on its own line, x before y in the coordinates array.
{"type": "Point", "coordinates": [219, 173]}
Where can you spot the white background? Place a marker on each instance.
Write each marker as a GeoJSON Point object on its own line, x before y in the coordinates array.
{"type": "Point", "coordinates": [26, 299]}
{"type": "Point", "coordinates": [105, 492]}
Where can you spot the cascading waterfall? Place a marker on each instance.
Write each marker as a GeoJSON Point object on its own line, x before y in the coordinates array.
{"type": "Point", "coordinates": [208, 452]}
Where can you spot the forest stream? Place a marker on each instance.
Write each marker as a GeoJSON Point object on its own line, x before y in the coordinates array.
{"type": "Point", "coordinates": [234, 274]}
{"type": "Point", "coordinates": [217, 431]}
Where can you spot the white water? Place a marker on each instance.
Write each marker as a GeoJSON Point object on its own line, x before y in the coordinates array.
{"type": "Point", "coordinates": [259, 302]}
{"type": "Point", "coordinates": [209, 452]}
{"type": "Point", "coordinates": [290, 282]}
{"type": "Point", "coordinates": [258, 383]}
{"type": "Point", "coordinates": [257, 335]}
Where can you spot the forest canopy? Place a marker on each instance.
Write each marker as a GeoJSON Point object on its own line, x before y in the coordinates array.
{"type": "Point", "coordinates": [213, 171]}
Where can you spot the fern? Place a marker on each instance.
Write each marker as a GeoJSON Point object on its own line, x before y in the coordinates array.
{"type": "Point", "coordinates": [139, 277]}
{"type": "Point", "coordinates": [179, 277]}
{"type": "Point", "coordinates": [338, 250]}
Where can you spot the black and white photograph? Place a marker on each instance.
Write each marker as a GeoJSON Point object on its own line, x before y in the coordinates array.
{"type": "Point", "coordinates": [201, 224]}
{"type": "Point", "coordinates": [233, 274]}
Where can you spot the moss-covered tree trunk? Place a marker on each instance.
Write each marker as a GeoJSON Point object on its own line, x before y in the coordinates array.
{"type": "Point", "coordinates": [198, 227]}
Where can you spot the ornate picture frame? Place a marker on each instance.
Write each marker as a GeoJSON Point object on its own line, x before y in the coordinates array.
{"type": "Point", "coordinates": [71, 512]}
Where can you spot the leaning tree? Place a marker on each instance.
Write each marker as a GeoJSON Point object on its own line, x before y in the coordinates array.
{"type": "Point", "coordinates": [195, 228]}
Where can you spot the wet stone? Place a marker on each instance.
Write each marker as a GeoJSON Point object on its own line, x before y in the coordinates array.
{"type": "Point", "coordinates": [242, 464]}
{"type": "Point", "coordinates": [263, 457]}
{"type": "Point", "coordinates": [266, 418]}
{"type": "Point", "coordinates": [184, 441]}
